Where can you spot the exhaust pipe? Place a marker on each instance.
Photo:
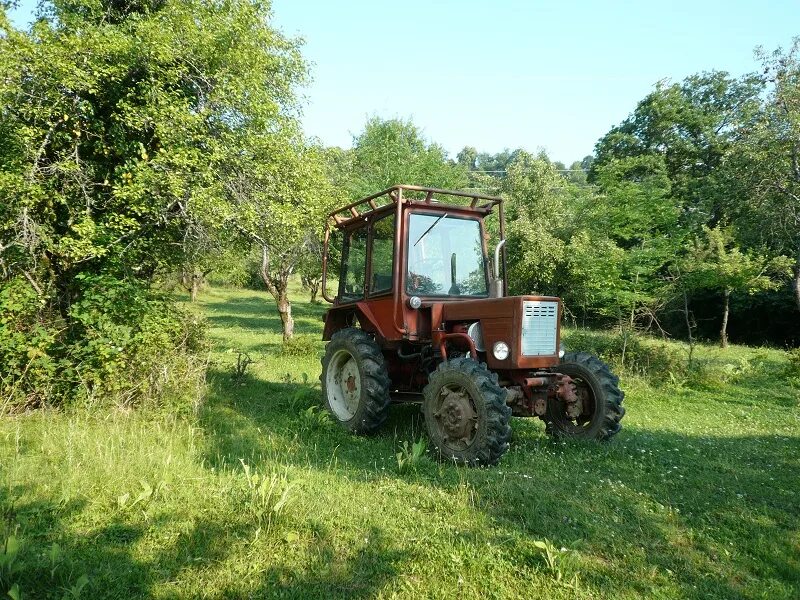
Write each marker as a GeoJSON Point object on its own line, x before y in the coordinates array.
{"type": "Point", "coordinates": [497, 282]}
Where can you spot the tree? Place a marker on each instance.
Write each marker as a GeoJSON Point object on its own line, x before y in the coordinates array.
{"type": "Point", "coordinates": [765, 166]}
{"type": "Point", "coordinates": [393, 151]}
{"type": "Point", "coordinates": [278, 195]}
{"type": "Point", "coordinates": [119, 126]}
{"type": "Point", "coordinates": [716, 263]}
{"type": "Point", "coordinates": [636, 219]}
{"type": "Point", "coordinates": [691, 126]}
{"type": "Point", "coordinates": [468, 158]}
{"type": "Point", "coordinates": [536, 215]}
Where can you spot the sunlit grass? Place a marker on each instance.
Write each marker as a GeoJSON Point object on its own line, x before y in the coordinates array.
{"type": "Point", "coordinates": [259, 496]}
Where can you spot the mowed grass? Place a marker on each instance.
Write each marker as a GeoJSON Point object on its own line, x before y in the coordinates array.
{"type": "Point", "coordinates": [259, 495]}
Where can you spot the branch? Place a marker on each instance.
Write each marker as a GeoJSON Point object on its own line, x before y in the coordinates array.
{"type": "Point", "coordinates": [33, 283]}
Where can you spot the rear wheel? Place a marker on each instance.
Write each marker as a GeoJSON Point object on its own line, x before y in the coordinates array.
{"type": "Point", "coordinates": [597, 413]}
{"type": "Point", "coordinates": [355, 384]}
{"type": "Point", "coordinates": [466, 413]}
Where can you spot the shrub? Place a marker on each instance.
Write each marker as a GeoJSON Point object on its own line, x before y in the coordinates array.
{"type": "Point", "coordinates": [793, 368]}
{"type": "Point", "coordinates": [642, 356]}
{"type": "Point", "coordinates": [118, 342]}
{"type": "Point", "coordinates": [300, 346]}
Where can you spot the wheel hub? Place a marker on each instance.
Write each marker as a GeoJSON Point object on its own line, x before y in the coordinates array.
{"type": "Point", "coordinates": [456, 416]}
{"type": "Point", "coordinates": [343, 385]}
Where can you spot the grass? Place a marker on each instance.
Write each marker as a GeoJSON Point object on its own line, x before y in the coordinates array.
{"type": "Point", "coordinates": [261, 495]}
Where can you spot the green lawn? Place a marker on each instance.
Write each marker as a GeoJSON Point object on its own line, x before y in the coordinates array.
{"type": "Point", "coordinates": [259, 496]}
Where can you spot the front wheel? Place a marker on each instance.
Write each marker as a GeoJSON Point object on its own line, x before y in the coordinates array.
{"type": "Point", "coordinates": [598, 412]}
{"type": "Point", "coordinates": [355, 384]}
{"type": "Point", "coordinates": [466, 414]}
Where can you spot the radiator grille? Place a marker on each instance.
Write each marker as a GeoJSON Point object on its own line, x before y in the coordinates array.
{"type": "Point", "coordinates": [539, 327]}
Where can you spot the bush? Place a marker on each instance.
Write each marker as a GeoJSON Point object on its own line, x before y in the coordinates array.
{"type": "Point", "coordinates": [642, 356]}
{"type": "Point", "coordinates": [793, 368]}
{"type": "Point", "coordinates": [300, 346]}
{"type": "Point", "coordinates": [28, 343]}
{"type": "Point", "coordinates": [117, 342]}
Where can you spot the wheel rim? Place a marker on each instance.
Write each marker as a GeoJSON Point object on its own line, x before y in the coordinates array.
{"type": "Point", "coordinates": [455, 417]}
{"type": "Point", "coordinates": [580, 418]}
{"type": "Point", "coordinates": [343, 385]}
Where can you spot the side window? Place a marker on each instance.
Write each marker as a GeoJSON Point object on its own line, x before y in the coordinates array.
{"type": "Point", "coordinates": [354, 259]}
{"type": "Point", "coordinates": [382, 255]}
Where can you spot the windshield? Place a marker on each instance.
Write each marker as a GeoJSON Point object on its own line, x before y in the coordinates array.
{"type": "Point", "coordinates": [445, 256]}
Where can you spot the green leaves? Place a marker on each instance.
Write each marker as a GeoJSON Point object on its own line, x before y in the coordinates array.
{"type": "Point", "coordinates": [393, 151]}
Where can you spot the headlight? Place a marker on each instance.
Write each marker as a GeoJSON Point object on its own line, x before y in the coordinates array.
{"type": "Point", "coordinates": [415, 302]}
{"type": "Point", "coordinates": [500, 350]}
{"type": "Point", "coordinates": [474, 331]}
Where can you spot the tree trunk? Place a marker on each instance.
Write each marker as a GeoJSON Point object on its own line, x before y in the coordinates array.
{"type": "Point", "coordinates": [690, 325]}
{"type": "Point", "coordinates": [796, 282]}
{"type": "Point", "coordinates": [279, 288]}
{"type": "Point", "coordinates": [285, 310]}
{"type": "Point", "coordinates": [313, 285]}
{"type": "Point", "coordinates": [195, 287]}
{"type": "Point", "coordinates": [723, 332]}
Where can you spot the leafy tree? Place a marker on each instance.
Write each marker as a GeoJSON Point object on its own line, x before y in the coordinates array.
{"type": "Point", "coordinates": [278, 199]}
{"type": "Point", "coordinates": [691, 126]}
{"type": "Point", "coordinates": [636, 219]}
{"type": "Point", "coordinates": [468, 158]}
{"type": "Point", "coordinates": [764, 167]}
{"type": "Point", "coordinates": [536, 215]}
{"type": "Point", "coordinates": [393, 151]}
{"type": "Point", "coordinates": [716, 263]}
{"type": "Point", "coordinates": [120, 129]}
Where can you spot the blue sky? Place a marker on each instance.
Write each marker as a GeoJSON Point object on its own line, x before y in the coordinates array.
{"type": "Point", "coordinates": [509, 73]}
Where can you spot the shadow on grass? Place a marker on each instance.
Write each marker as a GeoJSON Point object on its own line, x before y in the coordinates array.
{"type": "Point", "coordinates": [51, 559]}
{"type": "Point", "coordinates": [258, 313]}
{"type": "Point", "coordinates": [707, 513]}
{"type": "Point", "coordinates": [332, 573]}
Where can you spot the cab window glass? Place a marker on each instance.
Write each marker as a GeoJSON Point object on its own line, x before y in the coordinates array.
{"type": "Point", "coordinates": [354, 258]}
{"type": "Point", "coordinates": [382, 255]}
{"type": "Point", "coordinates": [445, 256]}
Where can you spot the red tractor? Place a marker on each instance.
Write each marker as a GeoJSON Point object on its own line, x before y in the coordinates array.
{"type": "Point", "coordinates": [419, 316]}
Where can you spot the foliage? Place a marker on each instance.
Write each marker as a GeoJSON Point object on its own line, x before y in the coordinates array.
{"type": "Point", "coordinates": [411, 454]}
{"type": "Point", "coordinates": [124, 345]}
{"type": "Point", "coordinates": [629, 353]}
{"type": "Point", "coordinates": [301, 345]}
{"type": "Point", "coordinates": [537, 214]}
{"type": "Point", "coordinates": [763, 169]}
{"type": "Point", "coordinates": [393, 151]}
{"type": "Point", "coordinates": [122, 127]}
{"type": "Point", "coordinates": [714, 263]}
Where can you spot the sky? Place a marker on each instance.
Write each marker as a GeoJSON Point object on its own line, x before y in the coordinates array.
{"type": "Point", "coordinates": [509, 73]}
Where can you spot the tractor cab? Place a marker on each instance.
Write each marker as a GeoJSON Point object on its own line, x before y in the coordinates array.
{"type": "Point", "coordinates": [420, 301]}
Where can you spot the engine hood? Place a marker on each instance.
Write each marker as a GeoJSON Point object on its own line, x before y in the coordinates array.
{"type": "Point", "coordinates": [530, 325]}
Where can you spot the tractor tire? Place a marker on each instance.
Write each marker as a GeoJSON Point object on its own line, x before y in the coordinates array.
{"type": "Point", "coordinates": [600, 396]}
{"type": "Point", "coordinates": [355, 383]}
{"type": "Point", "coordinates": [466, 414]}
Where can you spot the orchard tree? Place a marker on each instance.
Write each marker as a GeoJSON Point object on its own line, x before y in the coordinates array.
{"type": "Point", "coordinates": [716, 263]}
{"type": "Point", "coordinates": [765, 165]}
{"type": "Point", "coordinates": [117, 120]}
{"type": "Point", "coordinates": [279, 194]}
{"type": "Point", "coordinates": [120, 124]}
{"type": "Point", "coordinates": [393, 151]}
